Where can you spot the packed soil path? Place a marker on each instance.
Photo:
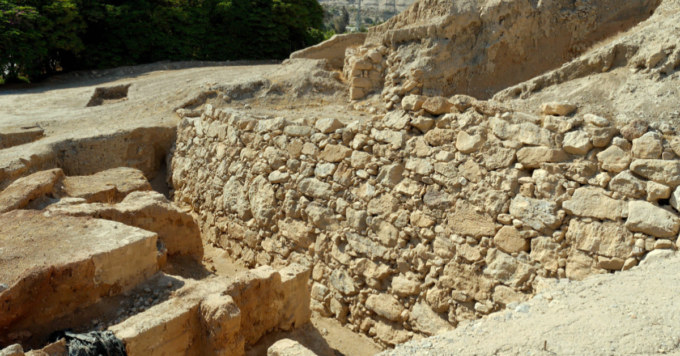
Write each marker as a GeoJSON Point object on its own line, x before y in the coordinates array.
{"type": "Point", "coordinates": [58, 105]}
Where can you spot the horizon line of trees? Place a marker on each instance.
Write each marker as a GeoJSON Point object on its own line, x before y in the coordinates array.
{"type": "Point", "coordinates": [41, 37]}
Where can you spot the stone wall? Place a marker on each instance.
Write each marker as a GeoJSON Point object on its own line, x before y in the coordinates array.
{"type": "Point", "coordinates": [444, 211]}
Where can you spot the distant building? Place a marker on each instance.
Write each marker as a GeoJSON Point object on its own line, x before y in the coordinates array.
{"type": "Point", "coordinates": [372, 11]}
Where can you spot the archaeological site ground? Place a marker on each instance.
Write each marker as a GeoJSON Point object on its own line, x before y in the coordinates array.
{"type": "Point", "coordinates": [471, 177]}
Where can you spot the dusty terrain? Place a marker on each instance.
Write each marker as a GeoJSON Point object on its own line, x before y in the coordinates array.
{"type": "Point", "coordinates": [628, 313]}
{"type": "Point", "coordinates": [358, 200]}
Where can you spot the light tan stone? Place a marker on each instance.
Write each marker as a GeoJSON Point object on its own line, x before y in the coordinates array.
{"type": "Point", "coordinates": [24, 190]}
{"type": "Point", "coordinates": [556, 108]}
{"type": "Point", "coordinates": [656, 191]}
{"type": "Point", "coordinates": [426, 321]}
{"type": "Point", "coordinates": [614, 159]}
{"type": "Point", "coordinates": [288, 347]}
{"type": "Point", "coordinates": [403, 286]}
{"type": "Point", "coordinates": [593, 202]}
{"type": "Point", "coordinates": [650, 219]}
{"type": "Point", "coordinates": [386, 306]}
{"type": "Point", "coordinates": [505, 295]}
{"type": "Point", "coordinates": [335, 153]}
{"type": "Point", "coordinates": [507, 269]}
{"type": "Point", "coordinates": [660, 171]}
{"type": "Point", "coordinates": [508, 240]}
{"type": "Point", "coordinates": [538, 214]}
{"type": "Point", "coordinates": [467, 143]}
{"type": "Point", "coordinates": [577, 142]}
{"type": "Point", "coordinates": [392, 335]}
{"type": "Point", "coordinates": [532, 157]}
{"type": "Point", "coordinates": [647, 146]}
{"type": "Point", "coordinates": [328, 125]}
{"type": "Point", "coordinates": [628, 184]}
{"type": "Point", "coordinates": [221, 322]}
{"type": "Point", "coordinates": [77, 261]}
{"type": "Point", "coordinates": [412, 102]}
{"type": "Point", "coordinates": [466, 221]}
{"type": "Point", "coordinates": [607, 238]}
{"type": "Point", "coordinates": [437, 105]}
{"type": "Point", "coordinates": [439, 137]}
{"type": "Point", "coordinates": [108, 186]}
{"type": "Point", "coordinates": [150, 211]}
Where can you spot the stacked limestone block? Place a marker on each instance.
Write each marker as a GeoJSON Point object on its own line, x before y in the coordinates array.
{"type": "Point", "coordinates": [364, 69]}
{"type": "Point", "coordinates": [423, 217]}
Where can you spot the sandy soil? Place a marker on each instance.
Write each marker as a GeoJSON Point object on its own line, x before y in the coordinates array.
{"type": "Point", "coordinates": [59, 104]}
{"type": "Point", "coordinates": [628, 313]}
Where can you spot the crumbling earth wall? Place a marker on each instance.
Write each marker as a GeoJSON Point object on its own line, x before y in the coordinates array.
{"type": "Point", "coordinates": [479, 47]}
{"type": "Point", "coordinates": [418, 219]}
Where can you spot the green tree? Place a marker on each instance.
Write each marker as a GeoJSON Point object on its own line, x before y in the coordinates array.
{"type": "Point", "coordinates": [35, 34]}
{"type": "Point", "coordinates": [38, 37]}
{"type": "Point", "coordinates": [340, 22]}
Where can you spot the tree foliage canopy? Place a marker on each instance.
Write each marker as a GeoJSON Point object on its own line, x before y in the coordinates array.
{"type": "Point", "coordinates": [38, 37]}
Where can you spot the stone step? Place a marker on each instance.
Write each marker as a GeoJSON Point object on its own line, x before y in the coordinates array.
{"type": "Point", "coordinates": [52, 266]}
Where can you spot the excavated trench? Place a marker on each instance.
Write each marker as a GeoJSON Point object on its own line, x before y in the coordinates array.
{"type": "Point", "coordinates": [398, 224]}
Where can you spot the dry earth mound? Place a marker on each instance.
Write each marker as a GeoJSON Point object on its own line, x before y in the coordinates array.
{"type": "Point", "coordinates": [632, 76]}
{"type": "Point", "coordinates": [478, 47]}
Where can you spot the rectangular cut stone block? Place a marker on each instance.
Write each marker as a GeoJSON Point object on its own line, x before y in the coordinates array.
{"type": "Point", "coordinates": [258, 293]}
{"type": "Point", "coordinates": [111, 185]}
{"type": "Point", "coordinates": [150, 211]}
{"type": "Point", "coordinates": [15, 136]}
{"type": "Point", "coordinates": [295, 311]}
{"type": "Point", "coordinates": [166, 329]}
{"type": "Point", "coordinates": [54, 265]}
{"type": "Point", "coordinates": [608, 239]}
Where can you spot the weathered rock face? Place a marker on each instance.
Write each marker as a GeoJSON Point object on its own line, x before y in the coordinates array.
{"type": "Point", "coordinates": [147, 210]}
{"type": "Point", "coordinates": [219, 315]}
{"type": "Point", "coordinates": [52, 266]}
{"type": "Point", "coordinates": [45, 187]}
{"type": "Point", "coordinates": [401, 219]}
{"type": "Point", "coordinates": [24, 190]}
{"type": "Point", "coordinates": [111, 185]}
{"type": "Point", "coordinates": [478, 47]}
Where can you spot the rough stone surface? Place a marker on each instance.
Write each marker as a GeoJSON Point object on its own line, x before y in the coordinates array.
{"type": "Point", "coordinates": [650, 219]}
{"type": "Point", "coordinates": [288, 347]}
{"type": "Point", "coordinates": [577, 142]}
{"type": "Point", "coordinates": [593, 202]}
{"type": "Point", "coordinates": [660, 171]}
{"type": "Point", "coordinates": [26, 189]}
{"type": "Point", "coordinates": [108, 186]}
{"type": "Point", "coordinates": [150, 211]}
{"type": "Point", "coordinates": [560, 109]}
{"type": "Point", "coordinates": [111, 258]}
{"type": "Point", "coordinates": [539, 214]}
{"type": "Point", "coordinates": [614, 159]}
{"type": "Point", "coordinates": [602, 238]}
{"type": "Point", "coordinates": [509, 240]}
